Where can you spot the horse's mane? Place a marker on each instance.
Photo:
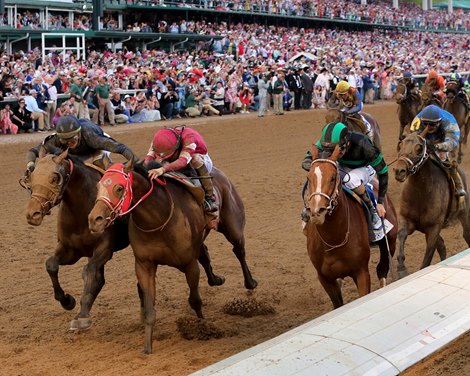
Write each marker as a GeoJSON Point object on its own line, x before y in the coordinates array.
{"type": "Point", "coordinates": [143, 170]}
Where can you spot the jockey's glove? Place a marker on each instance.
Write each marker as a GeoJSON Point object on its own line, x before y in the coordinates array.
{"type": "Point", "coordinates": [30, 166]}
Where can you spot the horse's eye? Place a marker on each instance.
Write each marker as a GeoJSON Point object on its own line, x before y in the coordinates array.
{"type": "Point", "coordinates": [55, 179]}
{"type": "Point", "coordinates": [333, 179]}
{"type": "Point", "coordinates": [118, 190]}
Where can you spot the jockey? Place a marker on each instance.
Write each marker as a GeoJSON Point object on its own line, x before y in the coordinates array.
{"type": "Point", "coordinates": [350, 103]}
{"type": "Point", "coordinates": [359, 161]}
{"type": "Point", "coordinates": [411, 84]}
{"type": "Point", "coordinates": [437, 83]}
{"type": "Point", "coordinates": [443, 134]}
{"type": "Point", "coordinates": [82, 138]}
{"type": "Point", "coordinates": [461, 89]}
{"type": "Point", "coordinates": [177, 148]}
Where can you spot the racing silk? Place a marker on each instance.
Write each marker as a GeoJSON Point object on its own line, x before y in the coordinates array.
{"type": "Point", "coordinates": [412, 86]}
{"type": "Point", "coordinates": [352, 103]}
{"type": "Point", "coordinates": [362, 152]}
{"type": "Point", "coordinates": [446, 137]}
{"type": "Point", "coordinates": [191, 143]}
{"type": "Point", "coordinates": [92, 140]}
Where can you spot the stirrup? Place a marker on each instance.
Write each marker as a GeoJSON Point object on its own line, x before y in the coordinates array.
{"type": "Point", "coordinates": [210, 205]}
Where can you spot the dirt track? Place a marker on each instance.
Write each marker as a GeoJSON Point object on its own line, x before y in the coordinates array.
{"type": "Point", "coordinates": [262, 157]}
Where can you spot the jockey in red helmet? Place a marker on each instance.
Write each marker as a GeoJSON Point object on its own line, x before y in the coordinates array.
{"type": "Point", "coordinates": [177, 148]}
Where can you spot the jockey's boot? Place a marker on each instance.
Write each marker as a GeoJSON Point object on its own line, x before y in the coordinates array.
{"type": "Point", "coordinates": [374, 217]}
{"type": "Point", "coordinates": [210, 205]}
{"type": "Point", "coordinates": [459, 190]}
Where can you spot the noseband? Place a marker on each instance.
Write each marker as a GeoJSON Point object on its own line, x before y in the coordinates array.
{"type": "Point", "coordinates": [413, 167]}
{"type": "Point", "coordinates": [55, 191]}
{"type": "Point", "coordinates": [333, 199]}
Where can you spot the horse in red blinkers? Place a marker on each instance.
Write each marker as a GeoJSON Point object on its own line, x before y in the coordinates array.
{"type": "Point", "coordinates": [168, 227]}
{"type": "Point", "coordinates": [337, 232]}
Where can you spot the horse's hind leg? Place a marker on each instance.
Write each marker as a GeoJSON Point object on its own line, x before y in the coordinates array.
{"type": "Point", "coordinates": [61, 257]}
{"type": "Point", "coordinates": [205, 260]}
{"type": "Point", "coordinates": [234, 234]}
{"type": "Point", "coordinates": [192, 277]}
{"type": "Point", "coordinates": [333, 289]}
{"type": "Point", "coordinates": [432, 236]}
{"type": "Point", "coordinates": [441, 248]}
{"type": "Point", "coordinates": [464, 218]}
{"type": "Point", "coordinates": [362, 281]}
{"type": "Point", "coordinates": [403, 233]}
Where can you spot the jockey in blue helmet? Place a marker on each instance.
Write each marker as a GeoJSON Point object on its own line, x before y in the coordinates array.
{"type": "Point", "coordinates": [412, 85]}
{"type": "Point", "coordinates": [443, 134]}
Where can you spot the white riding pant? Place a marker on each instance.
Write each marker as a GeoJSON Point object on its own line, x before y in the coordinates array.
{"type": "Point", "coordinates": [355, 177]}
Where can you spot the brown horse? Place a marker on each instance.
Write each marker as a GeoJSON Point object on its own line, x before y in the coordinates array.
{"type": "Point", "coordinates": [457, 106]}
{"type": "Point", "coordinates": [334, 115]}
{"type": "Point", "coordinates": [167, 227]}
{"type": "Point", "coordinates": [426, 201]}
{"type": "Point", "coordinates": [428, 97]}
{"type": "Point", "coordinates": [67, 182]}
{"type": "Point", "coordinates": [408, 107]}
{"type": "Point", "coordinates": [337, 232]}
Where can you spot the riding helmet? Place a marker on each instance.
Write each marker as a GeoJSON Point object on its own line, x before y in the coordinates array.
{"type": "Point", "coordinates": [68, 127]}
{"type": "Point", "coordinates": [334, 134]}
{"type": "Point", "coordinates": [407, 75]}
{"type": "Point", "coordinates": [431, 114]}
{"type": "Point", "coordinates": [166, 142]}
{"type": "Point", "coordinates": [342, 87]}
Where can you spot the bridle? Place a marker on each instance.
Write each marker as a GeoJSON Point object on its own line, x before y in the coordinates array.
{"type": "Point", "coordinates": [411, 166]}
{"type": "Point", "coordinates": [332, 203]}
{"type": "Point", "coordinates": [333, 198]}
{"type": "Point", "coordinates": [123, 206]}
{"type": "Point", "coordinates": [54, 191]}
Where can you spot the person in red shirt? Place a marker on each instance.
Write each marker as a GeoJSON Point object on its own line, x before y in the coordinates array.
{"type": "Point", "coordinates": [437, 83]}
{"type": "Point", "coordinates": [176, 148]}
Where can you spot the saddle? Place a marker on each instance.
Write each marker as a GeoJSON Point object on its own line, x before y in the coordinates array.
{"type": "Point", "coordinates": [360, 122]}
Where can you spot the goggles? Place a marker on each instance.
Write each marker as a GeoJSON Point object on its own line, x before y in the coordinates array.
{"type": "Point", "coordinates": [69, 141]}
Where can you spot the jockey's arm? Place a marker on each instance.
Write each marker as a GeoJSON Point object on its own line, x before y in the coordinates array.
{"type": "Point", "coordinates": [109, 144]}
{"type": "Point", "coordinates": [377, 162]}
{"type": "Point", "coordinates": [357, 106]}
{"type": "Point", "coordinates": [50, 146]}
{"type": "Point", "coordinates": [451, 137]}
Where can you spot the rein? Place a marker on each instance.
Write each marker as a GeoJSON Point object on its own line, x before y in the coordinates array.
{"type": "Point", "coordinates": [412, 167]}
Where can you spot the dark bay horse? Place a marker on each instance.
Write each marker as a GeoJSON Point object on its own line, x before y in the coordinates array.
{"type": "Point", "coordinates": [408, 107]}
{"type": "Point", "coordinates": [426, 200]}
{"type": "Point", "coordinates": [428, 97]}
{"type": "Point", "coordinates": [334, 115]}
{"type": "Point", "coordinates": [67, 182]}
{"type": "Point", "coordinates": [337, 232]}
{"type": "Point", "coordinates": [457, 106]}
{"type": "Point", "coordinates": [167, 227]}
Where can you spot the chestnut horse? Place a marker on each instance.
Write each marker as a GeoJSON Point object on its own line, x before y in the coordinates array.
{"type": "Point", "coordinates": [67, 182]}
{"type": "Point", "coordinates": [168, 226]}
{"type": "Point", "coordinates": [457, 106]}
{"type": "Point", "coordinates": [334, 115]}
{"type": "Point", "coordinates": [426, 200]}
{"type": "Point", "coordinates": [408, 107]}
{"type": "Point", "coordinates": [337, 232]}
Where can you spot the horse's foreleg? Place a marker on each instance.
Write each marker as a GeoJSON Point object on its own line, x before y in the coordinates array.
{"type": "Point", "coordinates": [362, 281]}
{"type": "Point", "coordinates": [61, 257]}
{"type": "Point", "coordinates": [432, 236]}
{"type": "Point", "coordinates": [205, 260]}
{"type": "Point", "coordinates": [403, 233]}
{"type": "Point", "coordinates": [145, 272]}
{"type": "Point", "coordinates": [333, 289]}
{"type": "Point", "coordinates": [192, 277]}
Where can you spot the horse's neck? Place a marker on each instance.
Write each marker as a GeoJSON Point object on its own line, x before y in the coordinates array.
{"type": "Point", "coordinates": [81, 187]}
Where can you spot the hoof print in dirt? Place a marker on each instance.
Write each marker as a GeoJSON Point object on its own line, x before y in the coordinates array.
{"type": "Point", "coordinates": [194, 328]}
{"type": "Point", "coordinates": [248, 307]}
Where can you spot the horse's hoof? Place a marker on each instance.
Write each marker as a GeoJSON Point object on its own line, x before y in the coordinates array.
{"type": "Point", "coordinates": [217, 280]}
{"type": "Point", "coordinates": [402, 273]}
{"type": "Point", "coordinates": [383, 282]}
{"type": "Point", "coordinates": [68, 302]}
{"type": "Point", "coordinates": [251, 285]}
{"type": "Point", "coordinates": [81, 323]}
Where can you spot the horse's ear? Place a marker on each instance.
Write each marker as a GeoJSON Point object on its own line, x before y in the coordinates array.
{"type": "Point", "coordinates": [62, 156]}
{"type": "Point", "coordinates": [128, 166]}
{"type": "Point", "coordinates": [42, 152]}
{"type": "Point", "coordinates": [314, 152]}
{"type": "Point", "coordinates": [424, 132]}
{"type": "Point", "coordinates": [335, 154]}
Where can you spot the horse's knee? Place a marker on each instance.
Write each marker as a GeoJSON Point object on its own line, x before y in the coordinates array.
{"type": "Point", "coordinates": [52, 265]}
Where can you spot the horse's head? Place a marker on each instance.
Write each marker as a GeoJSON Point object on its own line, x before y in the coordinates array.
{"type": "Point", "coordinates": [452, 89]}
{"type": "Point", "coordinates": [412, 153]}
{"type": "Point", "coordinates": [323, 185]}
{"type": "Point", "coordinates": [333, 115]}
{"type": "Point", "coordinates": [400, 92]}
{"type": "Point", "coordinates": [114, 197]}
{"type": "Point", "coordinates": [47, 185]}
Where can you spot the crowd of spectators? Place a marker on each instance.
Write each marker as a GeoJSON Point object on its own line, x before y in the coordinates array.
{"type": "Point", "coordinates": [374, 12]}
{"type": "Point", "coordinates": [221, 77]}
